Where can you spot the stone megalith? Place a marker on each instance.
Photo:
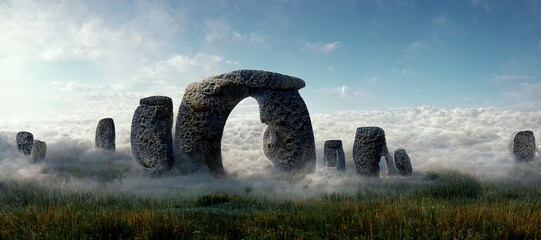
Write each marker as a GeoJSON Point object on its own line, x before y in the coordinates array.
{"type": "Point", "coordinates": [25, 140]}
{"type": "Point", "coordinates": [151, 137]}
{"type": "Point", "coordinates": [402, 162]}
{"type": "Point", "coordinates": [105, 134]}
{"type": "Point", "coordinates": [39, 149]}
{"type": "Point", "coordinates": [370, 145]}
{"type": "Point", "coordinates": [333, 155]}
{"type": "Point", "coordinates": [524, 146]}
{"type": "Point", "coordinates": [288, 140]}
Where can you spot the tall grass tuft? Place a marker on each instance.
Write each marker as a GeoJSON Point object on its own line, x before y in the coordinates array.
{"type": "Point", "coordinates": [215, 199]}
{"type": "Point", "coordinates": [451, 186]}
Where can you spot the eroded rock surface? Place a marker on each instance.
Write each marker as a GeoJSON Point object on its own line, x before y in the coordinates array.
{"type": "Point", "coordinates": [524, 146]}
{"type": "Point", "coordinates": [151, 137]}
{"type": "Point", "coordinates": [333, 155]}
{"type": "Point", "coordinates": [369, 146]}
{"type": "Point", "coordinates": [288, 140]}
{"type": "Point", "coordinates": [39, 149]}
{"type": "Point", "coordinates": [105, 134]}
{"type": "Point", "coordinates": [402, 162]}
{"type": "Point", "coordinates": [25, 140]}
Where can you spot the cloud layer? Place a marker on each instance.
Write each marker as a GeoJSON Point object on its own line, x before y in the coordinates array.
{"type": "Point", "coordinates": [473, 141]}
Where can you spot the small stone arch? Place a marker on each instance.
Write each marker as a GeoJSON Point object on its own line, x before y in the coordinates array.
{"type": "Point", "coordinates": [288, 140]}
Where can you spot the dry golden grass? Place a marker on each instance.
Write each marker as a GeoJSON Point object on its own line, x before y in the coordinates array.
{"type": "Point", "coordinates": [448, 206]}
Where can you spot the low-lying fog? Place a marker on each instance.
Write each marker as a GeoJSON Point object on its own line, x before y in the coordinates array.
{"type": "Point", "coordinates": [472, 141]}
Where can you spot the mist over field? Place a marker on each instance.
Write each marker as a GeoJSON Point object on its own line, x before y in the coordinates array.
{"type": "Point", "coordinates": [474, 141]}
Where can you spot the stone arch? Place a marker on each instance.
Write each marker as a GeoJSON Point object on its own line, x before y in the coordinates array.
{"type": "Point", "coordinates": [288, 140]}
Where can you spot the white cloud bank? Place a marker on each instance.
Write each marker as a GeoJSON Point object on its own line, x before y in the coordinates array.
{"type": "Point", "coordinates": [474, 141]}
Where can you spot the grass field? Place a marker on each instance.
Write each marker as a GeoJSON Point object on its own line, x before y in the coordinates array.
{"type": "Point", "coordinates": [446, 206]}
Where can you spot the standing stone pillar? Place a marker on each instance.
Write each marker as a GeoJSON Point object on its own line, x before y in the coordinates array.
{"type": "Point", "coordinates": [370, 145]}
{"type": "Point", "coordinates": [524, 146]}
{"type": "Point", "coordinates": [403, 162]}
{"type": "Point", "coordinates": [39, 149]}
{"type": "Point", "coordinates": [151, 137]}
{"type": "Point", "coordinates": [105, 134]}
{"type": "Point", "coordinates": [25, 140]}
{"type": "Point", "coordinates": [288, 141]}
{"type": "Point", "coordinates": [333, 155]}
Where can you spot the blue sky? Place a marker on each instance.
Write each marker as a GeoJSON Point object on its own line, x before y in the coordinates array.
{"type": "Point", "coordinates": [67, 58]}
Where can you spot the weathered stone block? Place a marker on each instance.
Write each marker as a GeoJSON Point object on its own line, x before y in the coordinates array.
{"type": "Point", "coordinates": [151, 137]}
{"type": "Point", "coordinates": [402, 162]}
{"type": "Point", "coordinates": [333, 155]}
{"type": "Point", "coordinates": [162, 101]}
{"type": "Point", "coordinates": [105, 134]}
{"type": "Point", "coordinates": [25, 140]}
{"type": "Point", "coordinates": [39, 149]}
{"type": "Point", "coordinates": [524, 146]}
{"type": "Point", "coordinates": [369, 146]}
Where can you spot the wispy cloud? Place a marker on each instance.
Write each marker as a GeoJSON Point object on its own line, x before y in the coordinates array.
{"type": "Point", "coordinates": [253, 39]}
{"type": "Point", "coordinates": [345, 92]}
{"type": "Point", "coordinates": [167, 71]}
{"type": "Point", "coordinates": [77, 88]}
{"type": "Point", "coordinates": [509, 78]}
{"type": "Point", "coordinates": [34, 29]}
{"type": "Point", "coordinates": [525, 96]}
{"type": "Point", "coordinates": [374, 79]}
{"type": "Point", "coordinates": [415, 46]}
{"type": "Point", "coordinates": [117, 59]}
{"type": "Point", "coordinates": [407, 71]}
{"type": "Point", "coordinates": [440, 20]}
{"type": "Point", "coordinates": [320, 47]}
{"type": "Point", "coordinates": [487, 5]}
{"type": "Point", "coordinates": [404, 71]}
{"type": "Point", "coordinates": [219, 31]}
{"type": "Point", "coordinates": [520, 91]}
